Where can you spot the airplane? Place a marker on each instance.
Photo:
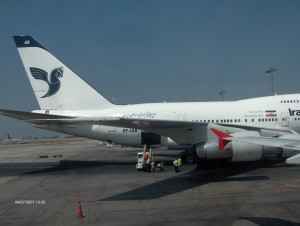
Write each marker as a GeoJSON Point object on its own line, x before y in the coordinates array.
{"type": "Point", "coordinates": [237, 131]}
{"type": "Point", "coordinates": [10, 140]}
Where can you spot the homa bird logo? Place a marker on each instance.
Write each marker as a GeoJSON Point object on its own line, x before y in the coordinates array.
{"type": "Point", "coordinates": [52, 80]}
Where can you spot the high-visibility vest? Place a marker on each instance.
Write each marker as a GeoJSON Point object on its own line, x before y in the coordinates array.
{"type": "Point", "coordinates": [175, 162]}
{"type": "Point", "coordinates": [179, 162]}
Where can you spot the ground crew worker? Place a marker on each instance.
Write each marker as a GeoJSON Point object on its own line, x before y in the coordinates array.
{"type": "Point", "coordinates": [148, 165]}
{"type": "Point", "coordinates": [179, 163]}
{"type": "Point", "coordinates": [146, 156]}
{"type": "Point", "coordinates": [176, 164]}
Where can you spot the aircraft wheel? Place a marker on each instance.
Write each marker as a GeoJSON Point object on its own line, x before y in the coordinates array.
{"type": "Point", "coordinates": [190, 160]}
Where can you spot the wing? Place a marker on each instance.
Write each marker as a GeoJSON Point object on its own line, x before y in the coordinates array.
{"type": "Point", "coordinates": [182, 132]}
{"type": "Point", "coordinates": [39, 74]}
{"type": "Point", "coordinates": [290, 141]}
{"type": "Point", "coordinates": [30, 117]}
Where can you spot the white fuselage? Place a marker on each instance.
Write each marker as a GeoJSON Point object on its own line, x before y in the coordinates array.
{"type": "Point", "coordinates": [280, 112]}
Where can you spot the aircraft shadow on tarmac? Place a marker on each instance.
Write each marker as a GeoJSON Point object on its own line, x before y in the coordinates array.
{"type": "Point", "coordinates": [203, 174]}
{"type": "Point", "coordinates": [267, 221]}
{"type": "Point", "coordinates": [77, 164]}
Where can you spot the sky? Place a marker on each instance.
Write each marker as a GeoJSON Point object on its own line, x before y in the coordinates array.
{"type": "Point", "coordinates": [137, 51]}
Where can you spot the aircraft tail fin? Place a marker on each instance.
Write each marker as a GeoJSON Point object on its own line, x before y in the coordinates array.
{"type": "Point", "coordinates": [55, 85]}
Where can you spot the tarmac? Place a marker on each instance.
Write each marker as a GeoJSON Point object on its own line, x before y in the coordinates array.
{"type": "Point", "coordinates": [41, 183]}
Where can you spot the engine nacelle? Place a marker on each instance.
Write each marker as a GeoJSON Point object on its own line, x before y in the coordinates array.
{"type": "Point", "coordinates": [236, 151]}
{"type": "Point", "coordinates": [210, 150]}
{"type": "Point", "coordinates": [242, 151]}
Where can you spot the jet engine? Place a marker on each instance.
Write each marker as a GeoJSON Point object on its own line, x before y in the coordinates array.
{"type": "Point", "coordinates": [235, 151]}
{"type": "Point", "coordinates": [286, 153]}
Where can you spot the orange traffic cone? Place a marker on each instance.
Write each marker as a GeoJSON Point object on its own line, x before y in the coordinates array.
{"type": "Point", "coordinates": [79, 210]}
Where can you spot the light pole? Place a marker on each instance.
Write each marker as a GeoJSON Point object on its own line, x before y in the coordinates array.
{"type": "Point", "coordinates": [222, 93]}
{"type": "Point", "coordinates": [271, 71]}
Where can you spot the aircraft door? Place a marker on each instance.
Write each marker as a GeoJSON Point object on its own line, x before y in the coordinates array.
{"type": "Point", "coordinates": [285, 119]}
{"type": "Point", "coordinates": [153, 139]}
{"type": "Point", "coordinates": [181, 117]}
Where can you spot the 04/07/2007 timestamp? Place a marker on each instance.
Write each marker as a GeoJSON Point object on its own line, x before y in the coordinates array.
{"type": "Point", "coordinates": [30, 202]}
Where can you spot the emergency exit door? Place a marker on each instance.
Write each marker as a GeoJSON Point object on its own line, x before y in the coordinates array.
{"type": "Point", "coordinates": [181, 117]}
{"type": "Point", "coordinates": [285, 119]}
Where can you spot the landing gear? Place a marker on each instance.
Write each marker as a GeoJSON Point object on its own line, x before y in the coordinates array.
{"type": "Point", "coordinates": [190, 159]}
{"type": "Point", "coordinates": [189, 156]}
